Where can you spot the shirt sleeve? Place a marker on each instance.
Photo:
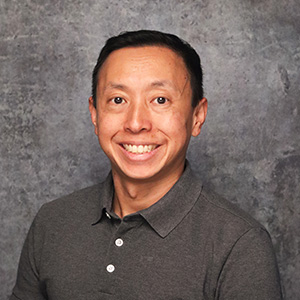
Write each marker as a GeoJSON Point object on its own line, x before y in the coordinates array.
{"type": "Point", "coordinates": [250, 271]}
{"type": "Point", "coordinates": [28, 286]}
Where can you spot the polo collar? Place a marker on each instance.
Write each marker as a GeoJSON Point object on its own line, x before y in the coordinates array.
{"type": "Point", "coordinates": [164, 215]}
{"type": "Point", "coordinates": [105, 197]}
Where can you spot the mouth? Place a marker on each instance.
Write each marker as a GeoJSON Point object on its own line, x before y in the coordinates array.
{"type": "Point", "coordinates": [139, 149]}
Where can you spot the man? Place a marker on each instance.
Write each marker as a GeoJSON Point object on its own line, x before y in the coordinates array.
{"type": "Point", "coordinates": [151, 230]}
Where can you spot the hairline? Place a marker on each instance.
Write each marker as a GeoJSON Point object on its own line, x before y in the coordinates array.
{"type": "Point", "coordinates": [159, 45]}
{"type": "Point", "coordinates": [141, 45]}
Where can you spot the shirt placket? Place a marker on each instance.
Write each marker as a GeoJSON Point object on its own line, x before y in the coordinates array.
{"type": "Point", "coordinates": [114, 263]}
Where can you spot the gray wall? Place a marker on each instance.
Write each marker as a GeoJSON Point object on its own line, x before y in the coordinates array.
{"type": "Point", "coordinates": [249, 147]}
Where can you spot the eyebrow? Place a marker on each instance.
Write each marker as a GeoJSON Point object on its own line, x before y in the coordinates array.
{"type": "Point", "coordinates": [118, 86]}
{"type": "Point", "coordinates": [162, 83]}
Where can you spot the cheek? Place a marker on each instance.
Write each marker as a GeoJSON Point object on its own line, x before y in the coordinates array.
{"type": "Point", "coordinates": [177, 127]}
{"type": "Point", "coordinates": [107, 123]}
{"type": "Point", "coordinates": [180, 122]}
{"type": "Point", "coordinates": [107, 128]}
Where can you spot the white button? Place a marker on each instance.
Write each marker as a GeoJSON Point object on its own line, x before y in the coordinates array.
{"type": "Point", "coordinates": [110, 268]}
{"type": "Point", "coordinates": [108, 215]}
{"type": "Point", "coordinates": [119, 242]}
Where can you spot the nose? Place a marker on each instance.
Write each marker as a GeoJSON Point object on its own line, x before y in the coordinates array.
{"type": "Point", "coordinates": [138, 118]}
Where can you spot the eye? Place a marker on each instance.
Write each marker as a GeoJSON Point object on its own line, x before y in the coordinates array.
{"type": "Point", "coordinates": [161, 100]}
{"type": "Point", "coordinates": [117, 100]}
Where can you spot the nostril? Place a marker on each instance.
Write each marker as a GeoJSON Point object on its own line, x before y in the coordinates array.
{"type": "Point", "coordinates": [138, 126]}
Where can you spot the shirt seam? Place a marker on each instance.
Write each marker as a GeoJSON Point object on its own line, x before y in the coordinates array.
{"type": "Point", "coordinates": [231, 249]}
{"type": "Point", "coordinates": [234, 214]}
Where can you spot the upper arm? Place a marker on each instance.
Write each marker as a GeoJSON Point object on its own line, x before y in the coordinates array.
{"type": "Point", "coordinates": [28, 285]}
{"type": "Point", "coordinates": [250, 270]}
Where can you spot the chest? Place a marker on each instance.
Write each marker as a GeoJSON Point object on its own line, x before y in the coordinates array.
{"type": "Point", "coordinates": [128, 260]}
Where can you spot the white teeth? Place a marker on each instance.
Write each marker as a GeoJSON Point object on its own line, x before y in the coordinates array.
{"type": "Point", "coordinates": [140, 149]}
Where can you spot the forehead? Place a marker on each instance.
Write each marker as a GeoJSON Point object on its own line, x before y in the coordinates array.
{"type": "Point", "coordinates": [148, 61]}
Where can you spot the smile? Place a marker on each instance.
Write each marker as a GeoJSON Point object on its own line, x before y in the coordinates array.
{"type": "Point", "coordinates": [139, 149]}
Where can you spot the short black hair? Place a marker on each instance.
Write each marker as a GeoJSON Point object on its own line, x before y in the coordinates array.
{"type": "Point", "coordinates": [142, 38]}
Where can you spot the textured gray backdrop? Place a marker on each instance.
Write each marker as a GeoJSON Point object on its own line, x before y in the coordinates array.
{"type": "Point", "coordinates": [249, 147]}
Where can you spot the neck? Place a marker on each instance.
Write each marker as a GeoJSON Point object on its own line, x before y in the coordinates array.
{"type": "Point", "coordinates": [134, 195]}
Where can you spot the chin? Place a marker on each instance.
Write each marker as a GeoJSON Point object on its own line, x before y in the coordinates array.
{"type": "Point", "coordinates": [147, 173]}
{"type": "Point", "coordinates": [140, 174]}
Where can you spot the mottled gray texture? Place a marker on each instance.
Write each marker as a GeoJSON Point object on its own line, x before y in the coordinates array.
{"type": "Point", "coordinates": [249, 145]}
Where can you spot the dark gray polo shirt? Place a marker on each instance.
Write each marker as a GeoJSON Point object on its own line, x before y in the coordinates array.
{"type": "Point", "coordinates": [191, 244]}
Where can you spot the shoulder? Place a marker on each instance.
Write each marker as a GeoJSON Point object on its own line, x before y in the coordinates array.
{"type": "Point", "coordinates": [215, 209]}
{"type": "Point", "coordinates": [226, 210]}
{"type": "Point", "coordinates": [223, 221]}
{"type": "Point", "coordinates": [76, 201]}
{"type": "Point", "coordinates": [79, 207]}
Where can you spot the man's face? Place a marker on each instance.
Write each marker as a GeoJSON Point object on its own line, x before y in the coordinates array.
{"type": "Point", "coordinates": [144, 117]}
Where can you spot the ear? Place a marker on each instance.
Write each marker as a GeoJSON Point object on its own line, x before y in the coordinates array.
{"type": "Point", "coordinates": [199, 116]}
{"type": "Point", "coordinates": [93, 112]}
